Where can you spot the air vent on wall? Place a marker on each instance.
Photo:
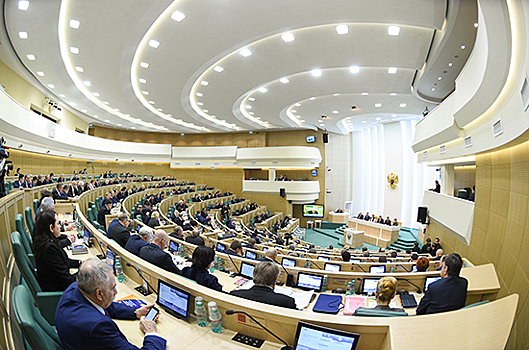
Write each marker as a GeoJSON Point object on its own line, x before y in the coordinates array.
{"type": "Point", "coordinates": [468, 141]}
{"type": "Point", "coordinates": [497, 128]}
{"type": "Point", "coordinates": [442, 149]}
{"type": "Point", "coordinates": [424, 154]}
{"type": "Point", "coordinates": [525, 94]}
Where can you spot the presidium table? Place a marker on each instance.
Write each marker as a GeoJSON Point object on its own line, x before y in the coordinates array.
{"type": "Point", "coordinates": [377, 234]}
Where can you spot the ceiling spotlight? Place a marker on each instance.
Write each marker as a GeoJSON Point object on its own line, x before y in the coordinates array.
{"type": "Point", "coordinates": [392, 70]}
{"type": "Point", "coordinates": [476, 24]}
{"type": "Point", "coordinates": [251, 99]}
{"type": "Point", "coordinates": [342, 29]}
{"type": "Point", "coordinates": [218, 69]}
{"type": "Point", "coordinates": [393, 94]}
{"type": "Point", "coordinates": [154, 43]}
{"type": "Point", "coordinates": [324, 117]}
{"type": "Point", "coordinates": [245, 53]}
{"type": "Point", "coordinates": [402, 105]}
{"type": "Point", "coordinates": [297, 104]}
{"type": "Point", "coordinates": [74, 50]}
{"type": "Point", "coordinates": [354, 108]}
{"type": "Point", "coordinates": [96, 94]}
{"type": "Point", "coordinates": [177, 16]}
{"type": "Point", "coordinates": [199, 94]}
{"type": "Point", "coordinates": [354, 69]}
{"type": "Point", "coordinates": [287, 37]}
{"type": "Point", "coordinates": [378, 105]}
{"type": "Point", "coordinates": [316, 72]}
{"type": "Point", "coordinates": [312, 98]}
{"type": "Point", "coordinates": [142, 81]}
{"type": "Point", "coordinates": [204, 83]}
{"type": "Point", "coordinates": [79, 69]}
{"type": "Point", "coordinates": [51, 86]}
{"type": "Point", "coordinates": [463, 47]}
{"type": "Point", "coordinates": [31, 57]}
{"type": "Point", "coordinates": [74, 24]}
{"type": "Point", "coordinates": [450, 64]}
{"type": "Point", "coordinates": [87, 83]}
{"type": "Point", "coordinates": [393, 30]}
{"type": "Point", "coordinates": [23, 5]}
{"type": "Point", "coordinates": [144, 65]}
{"type": "Point", "coordinates": [365, 93]}
{"type": "Point", "coordinates": [378, 118]}
{"type": "Point", "coordinates": [23, 35]}
{"type": "Point", "coordinates": [425, 112]}
{"type": "Point", "coordinates": [284, 80]}
{"type": "Point", "coordinates": [40, 73]}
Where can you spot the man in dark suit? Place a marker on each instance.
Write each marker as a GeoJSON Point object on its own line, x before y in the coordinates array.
{"type": "Point", "coordinates": [136, 242]}
{"type": "Point", "coordinates": [85, 311]}
{"type": "Point", "coordinates": [265, 276]}
{"type": "Point", "coordinates": [235, 248]}
{"type": "Point", "coordinates": [58, 193]}
{"type": "Point", "coordinates": [153, 252]}
{"type": "Point", "coordinates": [104, 210]}
{"type": "Point", "coordinates": [447, 294]}
{"type": "Point", "coordinates": [119, 232]}
{"type": "Point", "coordinates": [195, 238]}
{"type": "Point", "coordinates": [270, 255]}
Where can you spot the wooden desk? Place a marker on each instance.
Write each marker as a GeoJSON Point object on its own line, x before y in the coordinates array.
{"type": "Point", "coordinates": [377, 234]}
{"type": "Point", "coordinates": [339, 217]}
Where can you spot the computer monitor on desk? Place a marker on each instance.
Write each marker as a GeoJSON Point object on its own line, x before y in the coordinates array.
{"type": "Point", "coordinates": [221, 247]}
{"type": "Point", "coordinates": [247, 270]}
{"type": "Point", "coordinates": [309, 336]}
{"type": "Point", "coordinates": [288, 262]}
{"type": "Point", "coordinates": [369, 286]}
{"type": "Point", "coordinates": [377, 269]}
{"type": "Point", "coordinates": [174, 300]}
{"type": "Point", "coordinates": [250, 255]}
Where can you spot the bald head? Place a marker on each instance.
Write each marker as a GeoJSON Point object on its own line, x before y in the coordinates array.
{"type": "Point", "coordinates": [271, 253]}
{"type": "Point", "coordinates": [160, 238]}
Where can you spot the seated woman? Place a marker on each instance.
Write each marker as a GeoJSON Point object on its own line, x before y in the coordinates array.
{"type": "Point", "coordinates": [422, 264]}
{"type": "Point", "coordinates": [202, 259]}
{"type": "Point", "coordinates": [154, 220]}
{"type": "Point", "coordinates": [53, 265]}
{"type": "Point", "coordinates": [386, 290]}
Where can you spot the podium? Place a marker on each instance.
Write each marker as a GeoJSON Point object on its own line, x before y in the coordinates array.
{"type": "Point", "coordinates": [353, 238]}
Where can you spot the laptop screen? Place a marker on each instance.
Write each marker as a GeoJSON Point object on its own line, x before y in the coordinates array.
{"type": "Point", "coordinates": [173, 246]}
{"type": "Point", "coordinates": [312, 337]}
{"type": "Point", "coordinates": [174, 300]}
{"type": "Point", "coordinates": [370, 285]}
{"type": "Point", "coordinates": [324, 258]}
{"type": "Point", "coordinates": [309, 281]}
{"type": "Point", "coordinates": [332, 267]}
{"type": "Point", "coordinates": [377, 269]}
{"type": "Point", "coordinates": [288, 262]}
{"type": "Point", "coordinates": [247, 270]}
{"type": "Point", "coordinates": [250, 255]}
{"type": "Point", "coordinates": [221, 247]}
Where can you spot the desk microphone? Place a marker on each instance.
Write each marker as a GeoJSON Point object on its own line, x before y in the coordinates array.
{"type": "Point", "coordinates": [142, 289]}
{"type": "Point", "coordinates": [403, 267]}
{"type": "Point", "coordinates": [290, 278]}
{"type": "Point", "coordinates": [419, 291]}
{"type": "Point", "coordinates": [286, 347]}
{"type": "Point", "coordinates": [238, 271]}
{"type": "Point", "coordinates": [361, 268]}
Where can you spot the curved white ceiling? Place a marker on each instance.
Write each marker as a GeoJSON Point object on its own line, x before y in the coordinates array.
{"type": "Point", "coordinates": [130, 65]}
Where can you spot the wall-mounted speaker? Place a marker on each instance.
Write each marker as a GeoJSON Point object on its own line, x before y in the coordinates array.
{"type": "Point", "coordinates": [325, 137]}
{"type": "Point", "coordinates": [422, 214]}
{"type": "Point", "coordinates": [282, 192]}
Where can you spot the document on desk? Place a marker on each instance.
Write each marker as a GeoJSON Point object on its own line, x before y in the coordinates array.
{"type": "Point", "coordinates": [302, 298]}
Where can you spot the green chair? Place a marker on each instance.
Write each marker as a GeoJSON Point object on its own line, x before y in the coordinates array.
{"type": "Point", "coordinates": [68, 179]}
{"type": "Point", "coordinates": [28, 215]}
{"type": "Point", "coordinates": [25, 239]}
{"type": "Point", "coordinates": [91, 205]}
{"type": "Point", "coordinates": [477, 304]}
{"type": "Point", "coordinates": [36, 204]}
{"type": "Point", "coordinates": [46, 301]}
{"type": "Point", "coordinates": [37, 332]}
{"type": "Point", "coordinates": [378, 313]}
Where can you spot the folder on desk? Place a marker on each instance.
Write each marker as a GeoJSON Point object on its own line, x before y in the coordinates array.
{"type": "Point", "coordinates": [353, 302]}
{"type": "Point", "coordinates": [328, 303]}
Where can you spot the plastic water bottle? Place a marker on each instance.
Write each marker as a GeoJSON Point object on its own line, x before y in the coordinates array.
{"type": "Point", "coordinates": [221, 264]}
{"type": "Point", "coordinates": [215, 318]}
{"type": "Point", "coordinates": [324, 284]}
{"type": "Point", "coordinates": [391, 270]}
{"type": "Point", "coordinates": [213, 266]}
{"type": "Point", "coordinates": [181, 251]}
{"type": "Point", "coordinates": [200, 312]}
{"type": "Point", "coordinates": [348, 290]}
{"type": "Point", "coordinates": [353, 287]}
{"type": "Point", "coordinates": [119, 270]}
{"type": "Point", "coordinates": [307, 264]}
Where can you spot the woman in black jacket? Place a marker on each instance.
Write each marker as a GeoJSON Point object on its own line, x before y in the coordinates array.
{"type": "Point", "coordinates": [53, 264]}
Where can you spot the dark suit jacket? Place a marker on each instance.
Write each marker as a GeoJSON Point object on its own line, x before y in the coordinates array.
{"type": "Point", "coordinates": [59, 195]}
{"type": "Point", "coordinates": [156, 256]}
{"type": "Point", "coordinates": [202, 277]}
{"type": "Point", "coordinates": [134, 244]}
{"type": "Point", "coordinates": [101, 215]}
{"type": "Point", "coordinates": [53, 268]}
{"type": "Point", "coordinates": [195, 240]}
{"type": "Point", "coordinates": [446, 294]}
{"type": "Point", "coordinates": [82, 327]}
{"type": "Point", "coordinates": [119, 233]}
{"type": "Point", "coordinates": [264, 294]}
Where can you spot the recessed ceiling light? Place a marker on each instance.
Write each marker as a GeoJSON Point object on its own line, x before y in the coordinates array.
{"type": "Point", "coordinates": [95, 116]}
{"type": "Point", "coordinates": [433, 89]}
{"type": "Point", "coordinates": [315, 72]}
{"type": "Point", "coordinates": [178, 16]}
{"type": "Point", "coordinates": [169, 115]}
{"type": "Point", "coordinates": [204, 83]}
{"type": "Point", "coordinates": [79, 69]}
{"type": "Point", "coordinates": [364, 121]}
{"type": "Point", "coordinates": [335, 112]}
{"type": "Point", "coordinates": [118, 124]}
{"type": "Point", "coordinates": [392, 70]}
{"type": "Point", "coordinates": [106, 102]}
{"type": "Point", "coordinates": [23, 5]}
{"type": "Point", "coordinates": [354, 69]}
{"type": "Point", "coordinates": [31, 57]}
{"type": "Point", "coordinates": [294, 111]}
{"type": "Point", "coordinates": [200, 103]}
{"type": "Point", "coordinates": [245, 52]}
{"type": "Point", "coordinates": [302, 121]}
{"type": "Point", "coordinates": [152, 102]}
{"type": "Point", "coordinates": [365, 93]}
{"type": "Point", "coordinates": [402, 105]}
{"type": "Point", "coordinates": [263, 89]}
{"type": "Point", "coordinates": [84, 110]}
{"type": "Point", "coordinates": [393, 94]}
{"type": "Point", "coordinates": [23, 35]}
{"type": "Point", "coordinates": [96, 94]}
{"type": "Point", "coordinates": [248, 107]}
{"type": "Point", "coordinates": [287, 37]}
{"type": "Point", "coordinates": [258, 118]}
{"type": "Point", "coordinates": [62, 95]}
{"type": "Point", "coordinates": [87, 83]}
{"type": "Point", "coordinates": [218, 69]}
{"type": "Point", "coordinates": [393, 115]}
{"type": "Point", "coordinates": [107, 121]}
{"type": "Point", "coordinates": [145, 92]}
{"type": "Point", "coordinates": [116, 109]}
{"type": "Point", "coordinates": [144, 65]}
{"type": "Point", "coordinates": [463, 47]}
{"type": "Point", "coordinates": [40, 73]}
{"type": "Point", "coordinates": [393, 30]}
{"type": "Point", "coordinates": [73, 104]}
{"type": "Point", "coordinates": [133, 127]}
{"type": "Point", "coordinates": [251, 113]}
{"type": "Point", "coordinates": [342, 29]}
{"type": "Point", "coordinates": [199, 94]}
{"type": "Point", "coordinates": [142, 81]}
{"type": "Point", "coordinates": [439, 78]}
{"type": "Point", "coordinates": [312, 98]}
{"type": "Point", "coordinates": [74, 50]}
{"type": "Point", "coordinates": [154, 43]}
{"type": "Point", "coordinates": [251, 99]}
{"type": "Point", "coordinates": [450, 64]}
{"type": "Point", "coordinates": [159, 109]}
{"type": "Point", "coordinates": [476, 24]}
{"type": "Point", "coordinates": [284, 80]}
{"type": "Point", "coordinates": [336, 94]}
{"type": "Point", "coordinates": [205, 111]}
{"type": "Point", "coordinates": [74, 24]}
{"type": "Point", "coordinates": [378, 105]}
{"type": "Point", "coordinates": [297, 104]}
{"type": "Point", "coordinates": [51, 86]}
{"type": "Point", "coordinates": [378, 118]}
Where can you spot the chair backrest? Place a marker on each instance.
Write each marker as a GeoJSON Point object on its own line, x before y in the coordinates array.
{"type": "Point", "coordinates": [36, 330]}
{"type": "Point", "coordinates": [22, 261]}
{"type": "Point", "coordinates": [36, 204]}
{"type": "Point", "coordinates": [25, 236]}
{"type": "Point", "coordinates": [28, 215]}
{"type": "Point", "coordinates": [378, 313]}
{"type": "Point", "coordinates": [477, 304]}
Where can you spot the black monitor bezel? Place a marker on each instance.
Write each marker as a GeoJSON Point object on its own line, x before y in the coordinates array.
{"type": "Point", "coordinates": [248, 277]}
{"type": "Point", "coordinates": [221, 244]}
{"type": "Point", "coordinates": [171, 242]}
{"type": "Point", "coordinates": [247, 257]}
{"type": "Point", "coordinates": [309, 274]}
{"type": "Point", "coordinates": [294, 260]}
{"type": "Point", "coordinates": [302, 324]}
{"type": "Point", "coordinates": [325, 267]}
{"type": "Point", "coordinates": [373, 266]}
{"type": "Point", "coordinates": [170, 311]}
{"type": "Point", "coordinates": [368, 279]}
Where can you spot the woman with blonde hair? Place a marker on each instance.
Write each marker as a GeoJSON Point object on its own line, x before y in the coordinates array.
{"type": "Point", "coordinates": [386, 290]}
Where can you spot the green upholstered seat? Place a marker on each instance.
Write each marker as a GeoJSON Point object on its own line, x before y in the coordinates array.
{"type": "Point", "coordinates": [37, 332]}
{"type": "Point", "coordinates": [378, 313]}
{"type": "Point", "coordinates": [26, 240]}
{"type": "Point", "coordinates": [30, 222]}
{"type": "Point", "coordinates": [36, 204]}
{"type": "Point", "coordinates": [46, 301]}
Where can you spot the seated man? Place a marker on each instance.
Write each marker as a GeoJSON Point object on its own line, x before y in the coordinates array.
{"type": "Point", "coordinates": [58, 193]}
{"type": "Point", "coordinates": [387, 221]}
{"type": "Point", "coordinates": [270, 255]}
{"type": "Point", "coordinates": [360, 216]}
{"type": "Point", "coordinates": [153, 252]}
{"type": "Point", "coordinates": [439, 254]}
{"type": "Point", "coordinates": [85, 311]}
{"type": "Point", "coordinates": [367, 217]}
{"type": "Point", "coordinates": [447, 294]}
{"type": "Point", "coordinates": [119, 232]}
{"type": "Point", "coordinates": [178, 233]}
{"type": "Point", "coordinates": [265, 276]}
{"type": "Point", "coordinates": [105, 210]}
{"type": "Point", "coordinates": [235, 248]}
{"type": "Point", "coordinates": [195, 238]}
{"type": "Point", "coordinates": [136, 242]}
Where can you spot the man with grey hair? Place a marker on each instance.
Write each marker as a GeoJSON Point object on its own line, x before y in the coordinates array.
{"type": "Point", "coordinates": [265, 276]}
{"type": "Point", "coordinates": [136, 242]}
{"type": "Point", "coordinates": [153, 252]}
{"type": "Point", "coordinates": [195, 238]}
{"type": "Point", "coordinates": [270, 255]}
{"type": "Point", "coordinates": [178, 233]}
{"type": "Point", "coordinates": [119, 230]}
{"type": "Point", "coordinates": [84, 314]}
